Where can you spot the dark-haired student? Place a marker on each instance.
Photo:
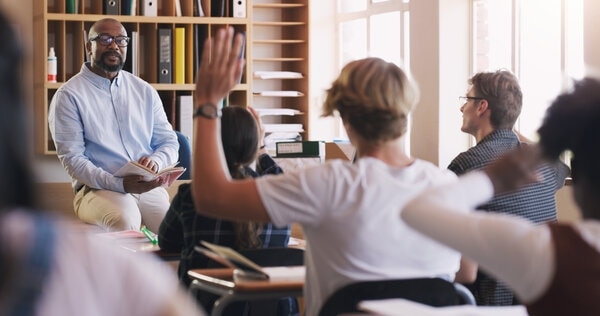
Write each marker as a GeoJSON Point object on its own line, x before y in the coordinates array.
{"type": "Point", "coordinates": [47, 266]}
{"type": "Point", "coordinates": [554, 269]}
{"type": "Point", "coordinates": [183, 228]}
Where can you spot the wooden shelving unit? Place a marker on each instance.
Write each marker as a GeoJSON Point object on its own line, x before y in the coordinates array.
{"type": "Point", "coordinates": [280, 43]}
{"type": "Point", "coordinates": [276, 35]}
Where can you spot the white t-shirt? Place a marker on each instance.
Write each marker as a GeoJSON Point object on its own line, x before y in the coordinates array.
{"type": "Point", "coordinates": [510, 248]}
{"type": "Point", "coordinates": [349, 216]}
{"type": "Point", "coordinates": [91, 278]}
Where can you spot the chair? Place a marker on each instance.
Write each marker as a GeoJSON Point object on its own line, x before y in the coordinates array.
{"type": "Point", "coordinates": [466, 297]}
{"type": "Point", "coordinates": [185, 155]}
{"type": "Point", "coordinates": [264, 257]}
{"type": "Point", "coordinates": [429, 291]}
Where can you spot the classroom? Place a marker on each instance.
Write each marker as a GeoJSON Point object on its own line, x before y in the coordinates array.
{"type": "Point", "coordinates": [437, 38]}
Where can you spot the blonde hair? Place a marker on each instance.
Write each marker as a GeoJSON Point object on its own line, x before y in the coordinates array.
{"type": "Point", "coordinates": [375, 97]}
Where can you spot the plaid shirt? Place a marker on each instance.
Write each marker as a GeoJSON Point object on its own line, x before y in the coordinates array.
{"type": "Point", "coordinates": [182, 228]}
{"type": "Point", "coordinates": [535, 202]}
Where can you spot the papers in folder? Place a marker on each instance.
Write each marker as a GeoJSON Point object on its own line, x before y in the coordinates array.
{"type": "Point", "coordinates": [282, 93]}
{"type": "Point", "coordinates": [285, 128]}
{"type": "Point", "coordinates": [277, 75]}
{"type": "Point", "coordinates": [277, 111]}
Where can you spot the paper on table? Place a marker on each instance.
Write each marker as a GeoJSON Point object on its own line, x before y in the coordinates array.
{"type": "Point", "coordinates": [291, 273]}
{"type": "Point", "coordinates": [401, 307]}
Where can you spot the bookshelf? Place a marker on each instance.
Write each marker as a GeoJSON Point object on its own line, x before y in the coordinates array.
{"type": "Point", "coordinates": [280, 50]}
{"type": "Point", "coordinates": [284, 45]}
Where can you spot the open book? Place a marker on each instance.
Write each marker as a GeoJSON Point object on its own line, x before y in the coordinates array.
{"type": "Point", "coordinates": [245, 268]}
{"type": "Point", "coordinates": [168, 174]}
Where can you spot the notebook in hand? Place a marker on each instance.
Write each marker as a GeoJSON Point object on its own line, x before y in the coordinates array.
{"type": "Point", "coordinates": [168, 174]}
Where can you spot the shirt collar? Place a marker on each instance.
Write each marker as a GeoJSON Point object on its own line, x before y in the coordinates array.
{"type": "Point", "coordinates": [96, 79]}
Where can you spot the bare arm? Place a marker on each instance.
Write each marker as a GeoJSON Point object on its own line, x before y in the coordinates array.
{"type": "Point", "coordinates": [215, 194]}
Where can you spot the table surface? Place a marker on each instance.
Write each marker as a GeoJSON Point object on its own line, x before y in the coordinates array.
{"type": "Point", "coordinates": [223, 278]}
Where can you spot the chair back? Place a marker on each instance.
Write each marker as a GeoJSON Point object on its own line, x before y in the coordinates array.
{"type": "Point", "coordinates": [185, 155]}
{"type": "Point", "coordinates": [277, 256]}
{"type": "Point", "coordinates": [429, 291]}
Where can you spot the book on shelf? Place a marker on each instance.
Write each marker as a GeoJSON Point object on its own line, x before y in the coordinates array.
{"type": "Point", "coordinates": [149, 7]}
{"type": "Point", "coordinates": [164, 55]}
{"type": "Point", "coordinates": [185, 108]}
{"type": "Point", "coordinates": [277, 75]}
{"type": "Point", "coordinates": [112, 7]}
{"type": "Point", "coordinates": [179, 55]}
{"type": "Point", "coordinates": [198, 8]}
{"type": "Point", "coordinates": [135, 53]}
{"type": "Point", "coordinates": [282, 93]}
{"type": "Point", "coordinates": [245, 268]}
{"type": "Point", "coordinates": [277, 111]}
{"type": "Point", "coordinates": [178, 7]}
{"type": "Point", "coordinates": [128, 7]}
{"type": "Point", "coordinates": [168, 174]}
{"type": "Point", "coordinates": [306, 148]}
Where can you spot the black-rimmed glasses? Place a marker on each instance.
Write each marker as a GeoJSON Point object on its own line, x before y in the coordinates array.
{"type": "Point", "coordinates": [464, 99]}
{"type": "Point", "coordinates": [106, 40]}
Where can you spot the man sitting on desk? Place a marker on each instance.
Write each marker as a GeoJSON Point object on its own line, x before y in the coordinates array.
{"type": "Point", "coordinates": [102, 118]}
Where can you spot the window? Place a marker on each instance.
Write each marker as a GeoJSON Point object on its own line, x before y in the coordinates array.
{"type": "Point", "coordinates": [373, 28]}
{"type": "Point", "coordinates": [541, 41]}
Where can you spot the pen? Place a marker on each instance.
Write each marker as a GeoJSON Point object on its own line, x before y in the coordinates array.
{"type": "Point", "coordinates": [150, 235]}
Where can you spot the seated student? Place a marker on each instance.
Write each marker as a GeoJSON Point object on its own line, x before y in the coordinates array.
{"type": "Point", "coordinates": [48, 266]}
{"type": "Point", "coordinates": [182, 228]}
{"type": "Point", "coordinates": [554, 268]}
{"type": "Point", "coordinates": [348, 211]}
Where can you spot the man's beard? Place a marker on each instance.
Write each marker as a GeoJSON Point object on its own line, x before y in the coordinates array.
{"type": "Point", "coordinates": [110, 68]}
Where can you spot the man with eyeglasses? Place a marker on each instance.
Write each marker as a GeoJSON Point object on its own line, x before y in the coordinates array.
{"type": "Point", "coordinates": [490, 109]}
{"type": "Point", "coordinates": [102, 118]}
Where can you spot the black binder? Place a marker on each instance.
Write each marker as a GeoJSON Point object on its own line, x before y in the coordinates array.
{"type": "Point", "coordinates": [112, 7]}
{"type": "Point", "coordinates": [165, 65]}
{"type": "Point", "coordinates": [217, 8]}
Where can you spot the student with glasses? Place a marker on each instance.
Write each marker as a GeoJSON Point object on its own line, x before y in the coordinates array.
{"type": "Point", "coordinates": [102, 118]}
{"type": "Point", "coordinates": [490, 109]}
{"type": "Point", "coordinates": [553, 268]}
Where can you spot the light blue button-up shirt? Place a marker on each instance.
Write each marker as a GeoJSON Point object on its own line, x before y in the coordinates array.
{"type": "Point", "coordinates": [98, 126]}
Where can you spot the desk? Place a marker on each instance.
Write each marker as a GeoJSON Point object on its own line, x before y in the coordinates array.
{"type": "Point", "coordinates": [136, 241]}
{"type": "Point", "coordinates": [220, 282]}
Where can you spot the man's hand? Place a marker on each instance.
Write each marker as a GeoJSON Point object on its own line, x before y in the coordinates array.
{"type": "Point", "coordinates": [148, 163]}
{"type": "Point", "coordinates": [221, 66]}
{"type": "Point", "coordinates": [515, 169]}
{"type": "Point", "coordinates": [135, 184]}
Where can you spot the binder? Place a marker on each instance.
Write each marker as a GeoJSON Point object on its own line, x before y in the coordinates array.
{"type": "Point", "coordinates": [307, 148]}
{"type": "Point", "coordinates": [164, 55]}
{"type": "Point", "coordinates": [200, 35]}
{"type": "Point", "coordinates": [149, 7]}
{"type": "Point", "coordinates": [135, 53]}
{"type": "Point", "coordinates": [128, 7]}
{"type": "Point", "coordinates": [186, 112]}
{"type": "Point", "coordinates": [217, 8]}
{"type": "Point", "coordinates": [179, 55]}
{"type": "Point", "coordinates": [238, 8]}
{"type": "Point", "coordinates": [112, 7]}
{"type": "Point", "coordinates": [71, 6]}
{"type": "Point", "coordinates": [198, 9]}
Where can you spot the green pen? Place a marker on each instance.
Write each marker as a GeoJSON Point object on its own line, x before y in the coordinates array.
{"type": "Point", "coordinates": [150, 235]}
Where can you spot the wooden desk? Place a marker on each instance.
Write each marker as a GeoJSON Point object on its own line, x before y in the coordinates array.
{"type": "Point", "coordinates": [135, 241]}
{"type": "Point", "coordinates": [220, 282]}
